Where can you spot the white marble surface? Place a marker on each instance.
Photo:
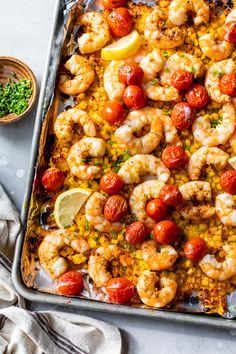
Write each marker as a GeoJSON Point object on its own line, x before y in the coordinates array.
{"type": "Point", "coordinates": [24, 32]}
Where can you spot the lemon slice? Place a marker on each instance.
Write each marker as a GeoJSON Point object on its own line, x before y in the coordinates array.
{"type": "Point", "coordinates": [123, 48]}
{"type": "Point", "coordinates": [68, 205]}
{"type": "Point", "coordinates": [232, 162]}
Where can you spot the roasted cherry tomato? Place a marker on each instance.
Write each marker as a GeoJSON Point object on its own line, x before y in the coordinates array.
{"type": "Point", "coordinates": [136, 233]}
{"type": "Point", "coordinates": [197, 96]}
{"type": "Point", "coordinates": [70, 283]}
{"type": "Point", "coordinates": [165, 232]}
{"type": "Point", "coordinates": [228, 181]}
{"type": "Point", "coordinates": [120, 22]}
{"type": "Point", "coordinates": [113, 112]}
{"type": "Point", "coordinates": [228, 84]}
{"type": "Point", "coordinates": [170, 195]}
{"type": "Point", "coordinates": [230, 32]}
{"type": "Point", "coordinates": [115, 208]}
{"type": "Point", "coordinates": [195, 249]}
{"type": "Point", "coordinates": [183, 115]}
{"type": "Point", "coordinates": [111, 183]}
{"type": "Point", "coordinates": [112, 4]}
{"type": "Point", "coordinates": [174, 157]}
{"type": "Point", "coordinates": [53, 179]}
{"type": "Point", "coordinates": [130, 74]}
{"type": "Point", "coordinates": [156, 209]}
{"type": "Point", "coordinates": [134, 97]}
{"type": "Point", "coordinates": [119, 290]}
{"type": "Point", "coordinates": [181, 79]}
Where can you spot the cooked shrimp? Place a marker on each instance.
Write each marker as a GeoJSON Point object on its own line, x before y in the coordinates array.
{"type": "Point", "coordinates": [170, 132]}
{"type": "Point", "coordinates": [98, 262]}
{"type": "Point", "coordinates": [206, 156]}
{"type": "Point", "coordinates": [158, 260]}
{"type": "Point", "coordinates": [49, 250]}
{"type": "Point", "coordinates": [141, 194]}
{"type": "Point", "coordinates": [196, 192]}
{"type": "Point", "coordinates": [209, 136]}
{"type": "Point", "coordinates": [215, 49]}
{"type": "Point", "coordinates": [66, 121]}
{"type": "Point", "coordinates": [159, 34]}
{"type": "Point", "coordinates": [149, 293]}
{"type": "Point", "coordinates": [179, 9]}
{"type": "Point", "coordinates": [83, 76]}
{"type": "Point", "coordinates": [94, 214]}
{"type": "Point", "coordinates": [231, 16]}
{"type": "Point", "coordinates": [140, 165]}
{"type": "Point", "coordinates": [152, 64]}
{"type": "Point", "coordinates": [226, 209]}
{"type": "Point", "coordinates": [114, 88]}
{"type": "Point", "coordinates": [133, 124]}
{"type": "Point", "coordinates": [220, 271]}
{"type": "Point", "coordinates": [82, 150]}
{"type": "Point", "coordinates": [97, 32]}
{"type": "Point", "coordinates": [213, 76]}
{"type": "Point", "coordinates": [232, 141]}
{"type": "Point", "coordinates": [181, 61]}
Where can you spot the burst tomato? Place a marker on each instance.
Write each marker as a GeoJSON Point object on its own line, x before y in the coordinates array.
{"type": "Point", "coordinates": [70, 283]}
{"type": "Point", "coordinates": [228, 181]}
{"type": "Point", "coordinates": [228, 84]}
{"type": "Point", "coordinates": [165, 232]}
{"type": "Point", "coordinates": [119, 290]}
{"type": "Point", "coordinates": [115, 208]}
{"type": "Point", "coordinates": [130, 74]}
{"type": "Point", "coordinates": [183, 115]}
{"type": "Point", "coordinates": [113, 4]}
{"type": "Point", "coordinates": [181, 79]}
{"type": "Point", "coordinates": [136, 233]}
{"type": "Point", "coordinates": [197, 96]}
{"type": "Point", "coordinates": [174, 157]}
{"type": "Point", "coordinates": [230, 32]}
{"type": "Point", "coordinates": [195, 249]}
{"type": "Point", "coordinates": [156, 209]}
{"type": "Point", "coordinates": [111, 183]}
{"type": "Point", "coordinates": [134, 97]}
{"type": "Point", "coordinates": [120, 22]}
{"type": "Point", "coordinates": [171, 195]}
{"type": "Point", "coordinates": [53, 179]}
{"type": "Point", "coordinates": [113, 113]}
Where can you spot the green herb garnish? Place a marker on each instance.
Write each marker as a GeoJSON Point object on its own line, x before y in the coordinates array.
{"type": "Point", "coordinates": [216, 122]}
{"type": "Point", "coordinates": [191, 69]}
{"type": "Point", "coordinates": [86, 225]}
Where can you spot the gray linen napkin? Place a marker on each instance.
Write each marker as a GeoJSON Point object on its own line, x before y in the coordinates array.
{"type": "Point", "coordinates": [25, 332]}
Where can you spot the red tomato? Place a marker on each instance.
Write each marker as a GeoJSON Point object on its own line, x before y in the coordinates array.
{"type": "Point", "coordinates": [197, 96]}
{"type": "Point", "coordinates": [195, 249]}
{"type": "Point", "coordinates": [70, 283]}
{"type": "Point", "coordinates": [136, 233]}
{"type": "Point", "coordinates": [181, 79]}
{"type": "Point", "coordinates": [183, 115]}
{"type": "Point", "coordinates": [120, 22]}
{"type": "Point", "coordinates": [53, 179]}
{"type": "Point", "coordinates": [228, 84]}
{"type": "Point", "coordinates": [171, 195]}
{"type": "Point", "coordinates": [115, 208]}
{"type": "Point", "coordinates": [165, 232]}
{"type": "Point", "coordinates": [119, 290]}
{"type": "Point", "coordinates": [174, 157]}
{"type": "Point", "coordinates": [113, 112]}
{"type": "Point", "coordinates": [156, 209]}
{"type": "Point", "coordinates": [130, 74]}
{"type": "Point", "coordinates": [134, 97]}
{"type": "Point", "coordinates": [230, 32]}
{"type": "Point", "coordinates": [112, 4]}
{"type": "Point", "coordinates": [111, 183]}
{"type": "Point", "coordinates": [228, 181]}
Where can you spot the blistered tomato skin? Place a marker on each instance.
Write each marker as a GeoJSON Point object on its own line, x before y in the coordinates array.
{"type": "Point", "coordinates": [115, 208]}
{"type": "Point", "coordinates": [70, 283]}
{"type": "Point", "coordinates": [53, 179]}
{"type": "Point", "coordinates": [111, 183]}
{"type": "Point", "coordinates": [197, 96]}
{"type": "Point", "coordinates": [156, 209]}
{"type": "Point", "coordinates": [136, 233]}
{"type": "Point", "coordinates": [171, 195]}
{"type": "Point", "coordinates": [181, 79]}
{"type": "Point", "coordinates": [174, 157]}
{"type": "Point", "coordinates": [228, 84]}
{"type": "Point", "coordinates": [230, 32]}
{"type": "Point", "coordinates": [130, 74]}
{"type": "Point", "coordinates": [119, 290]}
{"type": "Point", "coordinates": [120, 22]}
{"type": "Point", "coordinates": [228, 181]}
{"type": "Point", "coordinates": [134, 97]}
{"type": "Point", "coordinates": [183, 115]}
{"type": "Point", "coordinates": [113, 4]}
{"type": "Point", "coordinates": [165, 232]}
{"type": "Point", "coordinates": [113, 112]}
{"type": "Point", "coordinates": [195, 249]}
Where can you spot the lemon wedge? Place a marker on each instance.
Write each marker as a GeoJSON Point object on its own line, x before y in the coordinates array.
{"type": "Point", "coordinates": [123, 48]}
{"type": "Point", "coordinates": [68, 204]}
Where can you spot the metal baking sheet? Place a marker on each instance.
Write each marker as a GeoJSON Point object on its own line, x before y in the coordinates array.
{"type": "Point", "coordinates": [47, 90]}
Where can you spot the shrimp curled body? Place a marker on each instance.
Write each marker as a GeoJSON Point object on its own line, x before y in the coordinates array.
{"type": "Point", "coordinates": [215, 50]}
{"type": "Point", "coordinates": [179, 10]}
{"type": "Point", "coordinates": [158, 260]}
{"type": "Point", "coordinates": [113, 87]}
{"type": "Point", "coordinates": [226, 209]}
